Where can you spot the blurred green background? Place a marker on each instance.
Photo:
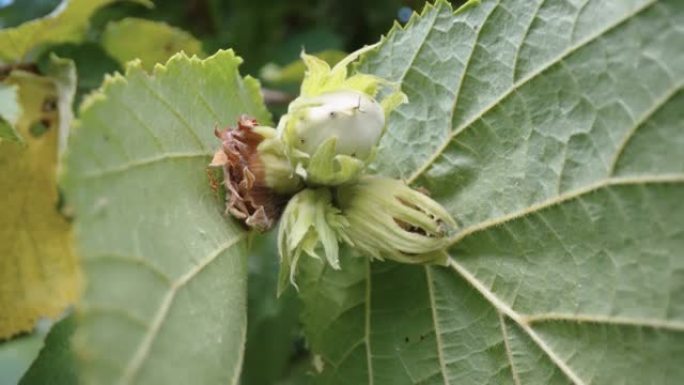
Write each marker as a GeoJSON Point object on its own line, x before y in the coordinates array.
{"type": "Point", "coordinates": [261, 31]}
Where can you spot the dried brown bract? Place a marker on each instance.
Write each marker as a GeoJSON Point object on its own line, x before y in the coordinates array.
{"type": "Point", "coordinates": [249, 197]}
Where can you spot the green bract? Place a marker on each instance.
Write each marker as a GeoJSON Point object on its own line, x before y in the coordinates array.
{"type": "Point", "coordinates": [379, 217]}
{"type": "Point", "coordinates": [329, 134]}
{"type": "Point", "coordinates": [332, 129]}
{"type": "Point", "coordinates": [389, 220]}
{"type": "Point", "coordinates": [277, 171]}
{"type": "Point", "coordinates": [309, 220]}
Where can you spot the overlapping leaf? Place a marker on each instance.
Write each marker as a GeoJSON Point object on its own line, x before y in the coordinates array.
{"type": "Point", "coordinates": [55, 363]}
{"type": "Point", "coordinates": [554, 132]}
{"type": "Point", "coordinates": [160, 41]}
{"type": "Point", "coordinates": [39, 273]}
{"type": "Point", "coordinates": [166, 271]}
{"type": "Point", "coordinates": [67, 23]}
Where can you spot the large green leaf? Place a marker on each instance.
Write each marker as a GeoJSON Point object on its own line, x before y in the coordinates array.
{"type": "Point", "coordinates": [165, 269]}
{"type": "Point", "coordinates": [554, 132]}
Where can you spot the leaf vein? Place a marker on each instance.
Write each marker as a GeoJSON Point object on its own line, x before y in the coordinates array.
{"type": "Point", "coordinates": [580, 9]}
{"type": "Point", "coordinates": [142, 123]}
{"type": "Point", "coordinates": [509, 354]}
{"type": "Point", "coordinates": [141, 353]}
{"type": "Point", "coordinates": [469, 60]}
{"type": "Point", "coordinates": [140, 261]}
{"type": "Point", "coordinates": [512, 314]}
{"type": "Point", "coordinates": [438, 334]}
{"type": "Point", "coordinates": [143, 162]}
{"type": "Point", "coordinates": [178, 116]}
{"type": "Point", "coordinates": [369, 358]}
{"type": "Point", "coordinates": [524, 38]}
{"type": "Point", "coordinates": [422, 168]}
{"type": "Point", "coordinates": [86, 310]}
{"type": "Point", "coordinates": [420, 47]}
{"type": "Point", "coordinates": [615, 181]}
{"type": "Point", "coordinates": [657, 106]}
{"type": "Point", "coordinates": [348, 352]}
{"type": "Point", "coordinates": [673, 325]}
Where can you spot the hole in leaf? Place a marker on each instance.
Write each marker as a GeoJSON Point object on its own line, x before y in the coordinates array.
{"type": "Point", "coordinates": [39, 128]}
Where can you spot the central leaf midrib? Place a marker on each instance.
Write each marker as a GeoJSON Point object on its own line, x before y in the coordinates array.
{"type": "Point", "coordinates": [141, 353]}
{"type": "Point", "coordinates": [435, 321]}
{"type": "Point", "coordinates": [127, 166]}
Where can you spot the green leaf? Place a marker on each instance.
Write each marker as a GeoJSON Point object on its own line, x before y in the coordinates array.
{"type": "Point", "coordinates": [67, 23]}
{"type": "Point", "coordinates": [55, 363]}
{"type": "Point", "coordinates": [165, 269]}
{"type": "Point", "coordinates": [13, 13]}
{"type": "Point", "coordinates": [159, 43]}
{"type": "Point", "coordinates": [10, 111]}
{"type": "Point", "coordinates": [92, 63]}
{"type": "Point", "coordinates": [554, 132]}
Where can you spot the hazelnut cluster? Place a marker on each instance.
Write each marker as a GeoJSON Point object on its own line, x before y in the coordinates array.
{"type": "Point", "coordinates": [311, 169]}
